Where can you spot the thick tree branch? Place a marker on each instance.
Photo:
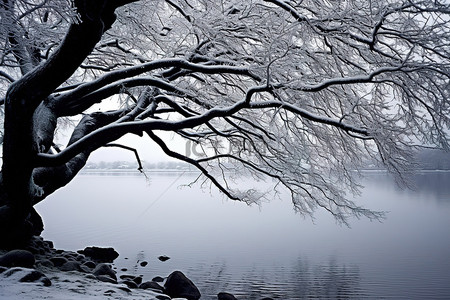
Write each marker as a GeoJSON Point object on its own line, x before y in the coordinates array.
{"type": "Point", "coordinates": [80, 105]}
{"type": "Point", "coordinates": [96, 17]}
{"type": "Point", "coordinates": [58, 175]}
{"type": "Point", "coordinates": [122, 78]}
{"type": "Point", "coordinates": [7, 76]}
{"type": "Point", "coordinates": [350, 80]}
{"type": "Point", "coordinates": [15, 36]}
{"type": "Point", "coordinates": [114, 131]}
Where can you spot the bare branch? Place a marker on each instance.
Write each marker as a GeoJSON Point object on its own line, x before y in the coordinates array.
{"type": "Point", "coordinates": [192, 162]}
{"type": "Point", "coordinates": [136, 154]}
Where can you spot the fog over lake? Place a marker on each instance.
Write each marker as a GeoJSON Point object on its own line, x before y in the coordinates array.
{"type": "Point", "coordinates": [266, 251]}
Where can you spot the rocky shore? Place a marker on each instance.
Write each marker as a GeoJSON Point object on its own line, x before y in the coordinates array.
{"type": "Point", "coordinates": [38, 271]}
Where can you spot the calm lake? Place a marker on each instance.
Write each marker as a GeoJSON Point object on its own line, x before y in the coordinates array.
{"type": "Point", "coordinates": [266, 251]}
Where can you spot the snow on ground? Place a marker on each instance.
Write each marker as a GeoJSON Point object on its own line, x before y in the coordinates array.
{"type": "Point", "coordinates": [66, 286]}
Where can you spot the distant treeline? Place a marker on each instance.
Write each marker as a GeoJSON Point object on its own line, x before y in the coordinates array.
{"type": "Point", "coordinates": [430, 159]}
{"type": "Point", "coordinates": [128, 165]}
{"type": "Point", "coordinates": [427, 159]}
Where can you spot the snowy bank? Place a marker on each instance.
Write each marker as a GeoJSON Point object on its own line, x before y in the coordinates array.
{"type": "Point", "coordinates": [38, 271]}
{"type": "Point", "coordinates": [71, 285]}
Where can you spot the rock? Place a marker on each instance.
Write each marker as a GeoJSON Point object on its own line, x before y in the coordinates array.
{"type": "Point", "coordinates": [12, 271]}
{"type": "Point", "coordinates": [129, 283]}
{"type": "Point", "coordinates": [17, 258]}
{"type": "Point", "coordinates": [91, 276]}
{"type": "Point", "coordinates": [109, 292]}
{"type": "Point", "coordinates": [80, 257]}
{"type": "Point", "coordinates": [104, 269]}
{"type": "Point", "coordinates": [87, 266]}
{"type": "Point", "coordinates": [138, 280]}
{"type": "Point", "coordinates": [48, 244]}
{"type": "Point", "coordinates": [36, 276]}
{"type": "Point", "coordinates": [225, 296]}
{"type": "Point", "coordinates": [179, 286]}
{"type": "Point", "coordinates": [34, 250]}
{"type": "Point", "coordinates": [38, 245]}
{"type": "Point", "coordinates": [158, 279]}
{"type": "Point", "coordinates": [35, 245]}
{"type": "Point", "coordinates": [163, 258]}
{"type": "Point", "coordinates": [100, 254]}
{"type": "Point", "coordinates": [143, 263]}
{"type": "Point", "coordinates": [58, 261]}
{"type": "Point", "coordinates": [90, 264]}
{"type": "Point", "coordinates": [27, 275]}
{"type": "Point", "coordinates": [162, 297]}
{"type": "Point", "coordinates": [125, 289]}
{"type": "Point", "coordinates": [46, 263]}
{"type": "Point", "coordinates": [70, 255]}
{"type": "Point", "coordinates": [70, 266]}
{"type": "Point", "coordinates": [85, 269]}
{"type": "Point", "coordinates": [151, 285]}
{"type": "Point", "coordinates": [106, 278]}
{"type": "Point", "coordinates": [135, 279]}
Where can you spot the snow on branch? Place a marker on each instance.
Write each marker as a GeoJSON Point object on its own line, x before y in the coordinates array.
{"type": "Point", "coordinates": [302, 93]}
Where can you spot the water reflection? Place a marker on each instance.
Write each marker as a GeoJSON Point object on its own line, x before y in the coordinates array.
{"type": "Point", "coordinates": [332, 281]}
{"type": "Point", "coordinates": [300, 280]}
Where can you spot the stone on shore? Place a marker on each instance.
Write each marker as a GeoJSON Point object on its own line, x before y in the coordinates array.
{"type": "Point", "coordinates": [179, 286]}
{"type": "Point", "coordinates": [135, 279]}
{"type": "Point", "coordinates": [58, 261]}
{"type": "Point", "coordinates": [106, 278]}
{"type": "Point", "coordinates": [36, 276]}
{"type": "Point", "coordinates": [17, 258]}
{"type": "Point", "coordinates": [151, 285]}
{"type": "Point", "coordinates": [129, 283]}
{"type": "Point", "coordinates": [27, 275]}
{"type": "Point", "coordinates": [71, 266]}
{"type": "Point", "coordinates": [104, 269]}
{"type": "Point", "coordinates": [99, 254]}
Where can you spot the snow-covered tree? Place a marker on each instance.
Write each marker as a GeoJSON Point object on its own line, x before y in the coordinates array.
{"type": "Point", "coordinates": [301, 94]}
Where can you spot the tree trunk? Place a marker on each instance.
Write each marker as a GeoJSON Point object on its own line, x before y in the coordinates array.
{"type": "Point", "coordinates": [30, 121]}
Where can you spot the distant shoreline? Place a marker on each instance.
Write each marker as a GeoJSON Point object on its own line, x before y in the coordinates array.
{"type": "Point", "coordinates": [135, 171]}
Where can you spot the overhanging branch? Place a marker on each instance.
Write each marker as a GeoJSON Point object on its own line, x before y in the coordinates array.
{"type": "Point", "coordinates": [112, 132]}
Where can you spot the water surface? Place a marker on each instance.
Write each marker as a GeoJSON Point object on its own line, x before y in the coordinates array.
{"type": "Point", "coordinates": [266, 251]}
